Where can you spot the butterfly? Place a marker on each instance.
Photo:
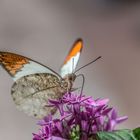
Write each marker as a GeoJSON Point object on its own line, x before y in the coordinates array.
{"type": "Point", "coordinates": [35, 83]}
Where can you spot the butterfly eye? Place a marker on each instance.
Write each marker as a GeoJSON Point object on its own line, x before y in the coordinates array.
{"type": "Point", "coordinates": [72, 77]}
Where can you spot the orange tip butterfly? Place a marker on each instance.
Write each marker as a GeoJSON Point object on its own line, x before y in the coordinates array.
{"type": "Point", "coordinates": [35, 83]}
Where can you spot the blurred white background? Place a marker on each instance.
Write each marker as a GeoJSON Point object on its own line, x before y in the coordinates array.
{"type": "Point", "coordinates": [45, 30]}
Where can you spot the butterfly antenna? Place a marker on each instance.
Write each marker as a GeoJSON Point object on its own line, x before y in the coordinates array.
{"type": "Point", "coordinates": [83, 82]}
{"type": "Point", "coordinates": [88, 63]}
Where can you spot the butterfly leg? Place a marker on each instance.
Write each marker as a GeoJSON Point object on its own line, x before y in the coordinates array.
{"type": "Point", "coordinates": [83, 82]}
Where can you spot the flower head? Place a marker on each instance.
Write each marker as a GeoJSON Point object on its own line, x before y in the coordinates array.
{"type": "Point", "coordinates": [79, 118]}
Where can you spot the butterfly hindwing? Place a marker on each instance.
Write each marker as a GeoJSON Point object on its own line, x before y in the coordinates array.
{"type": "Point", "coordinates": [18, 66]}
{"type": "Point", "coordinates": [72, 58]}
{"type": "Point", "coordinates": [31, 93]}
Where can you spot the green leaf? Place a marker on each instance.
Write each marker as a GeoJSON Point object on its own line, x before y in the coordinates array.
{"type": "Point", "coordinates": [124, 134]}
{"type": "Point", "coordinates": [75, 133]}
{"type": "Point", "coordinates": [136, 133]}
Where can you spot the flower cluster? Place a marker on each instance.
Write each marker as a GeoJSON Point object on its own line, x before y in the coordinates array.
{"type": "Point", "coordinates": [80, 118]}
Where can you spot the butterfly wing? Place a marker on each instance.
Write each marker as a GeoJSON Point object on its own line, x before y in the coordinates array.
{"type": "Point", "coordinates": [31, 93]}
{"type": "Point", "coordinates": [72, 58]}
{"type": "Point", "coordinates": [18, 66]}
{"type": "Point", "coordinates": [34, 84]}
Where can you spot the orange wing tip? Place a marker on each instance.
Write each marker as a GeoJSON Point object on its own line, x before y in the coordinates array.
{"type": "Point", "coordinates": [12, 62]}
{"type": "Point", "coordinates": [77, 48]}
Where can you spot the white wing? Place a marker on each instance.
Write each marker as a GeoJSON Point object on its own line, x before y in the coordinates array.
{"type": "Point", "coordinates": [18, 66]}
{"type": "Point", "coordinates": [72, 58]}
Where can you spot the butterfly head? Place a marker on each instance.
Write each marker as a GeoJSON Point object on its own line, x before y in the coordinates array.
{"type": "Point", "coordinates": [70, 77]}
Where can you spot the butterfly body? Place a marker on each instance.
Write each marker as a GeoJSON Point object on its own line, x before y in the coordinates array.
{"type": "Point", "coordinates": [34, 83]}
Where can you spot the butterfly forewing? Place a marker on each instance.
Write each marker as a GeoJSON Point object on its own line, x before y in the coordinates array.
{"type": "Point", "coordinates": [72, 58]}
{"type": "Point", "coordinates": [18, 66]}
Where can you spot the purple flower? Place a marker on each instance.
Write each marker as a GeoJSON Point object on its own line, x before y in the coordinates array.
{"type": "Point", "coordinates": [113, 120]}
{"type": "Point", "coordinates": [45, 121]}
{"type": "Point", "coordinates": [79, 117]}
{"type": "Point", "coordinates": [43, 134]}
